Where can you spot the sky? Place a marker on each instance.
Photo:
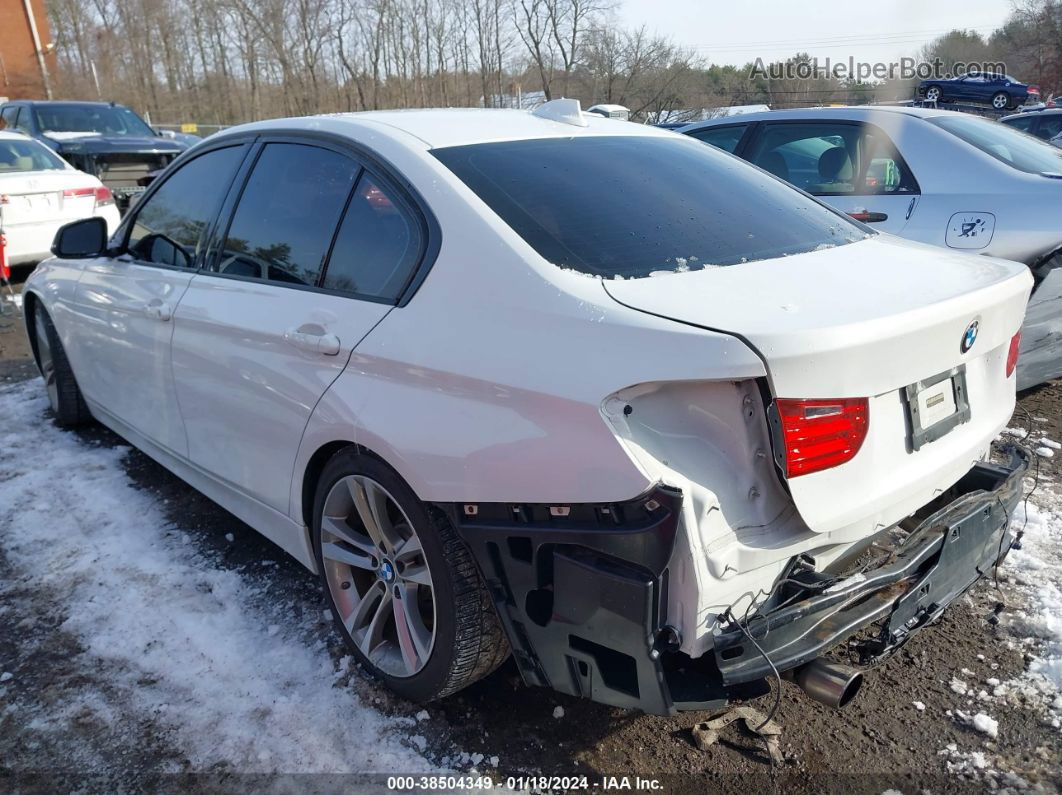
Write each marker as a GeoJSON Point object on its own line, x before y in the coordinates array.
{"type": "Point", "coordinates": [739, 32]}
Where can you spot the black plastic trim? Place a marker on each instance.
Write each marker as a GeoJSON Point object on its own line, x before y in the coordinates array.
{"type": "Point", "coordinates": [579, 590]}
{"type": "Point", "coordinates": [953, 547]}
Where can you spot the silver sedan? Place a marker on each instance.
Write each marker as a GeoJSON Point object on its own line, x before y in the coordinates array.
{"type": "Point", "coordinates": [950, 179]}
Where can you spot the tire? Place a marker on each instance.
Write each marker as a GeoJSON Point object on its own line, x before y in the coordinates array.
{"type": "Point", "coordinates": [466, 638]}
{"type": "Point", "coordinates": [63, 392]}
{"type": "Point", "coordinates": [934, 94]}
{"type": "Point", "coordinates": [1000, 100]}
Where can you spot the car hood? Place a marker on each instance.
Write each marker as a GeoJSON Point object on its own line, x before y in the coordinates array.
{"type": "Point", "coordinates": [89, 143]}
{"type": "Point", "coordinates": [856, 320]}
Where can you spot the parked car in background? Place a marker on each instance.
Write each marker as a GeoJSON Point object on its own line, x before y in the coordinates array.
{"type": "Point", "coordinates": [999, 91]}
{"type": "Point", "coordinates": [951, 179]}
{"type": "Point", "coordinates": [40, 192]}
{"type": "Point", "coordinates": [399, 345]}
{"type": "Point", "coordinates": [1045, 123]}
{"type": "Point", "coordinates": [106, 140]}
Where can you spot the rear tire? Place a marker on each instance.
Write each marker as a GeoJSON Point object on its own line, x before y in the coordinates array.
{"type": "Point", "coordinates": [63, 392]}
{"type": "Point", "coordinates": [371, 580]}
{"type": "Point", "coordinates": [1000, 100]}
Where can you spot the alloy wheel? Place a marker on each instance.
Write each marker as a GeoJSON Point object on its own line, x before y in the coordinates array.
{"type": "Point", "coordinates": [999, 101]}
{"type": "Point", "coordinates": [378, 576]}
{"type": "Point", "coordinates": [933, 94]}
{"type": "Point", "coordinates": [46, 359]}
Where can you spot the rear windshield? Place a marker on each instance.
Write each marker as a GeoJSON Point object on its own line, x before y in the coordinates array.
{"type": "Point", "coordinates": [1004, 143]}
{"type": "Point", "coordinates": [27, 156]}
{"type": "Point", "coordinates": [101, 119]}
{"type": "Point", "coordinates": [629, 206]}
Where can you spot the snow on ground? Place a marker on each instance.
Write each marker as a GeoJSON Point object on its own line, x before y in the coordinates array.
{"type": "Point", "coordinates": [192, 642]}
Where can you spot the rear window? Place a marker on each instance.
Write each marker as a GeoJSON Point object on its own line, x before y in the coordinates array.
{"type": "Point", "coordinates": [1005, 144]}
{"type": "Point", "coordinates": [27, 156]}
{"type": "Point", "coordinates": [629, 206]}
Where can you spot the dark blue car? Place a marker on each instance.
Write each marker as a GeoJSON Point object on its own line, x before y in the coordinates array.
{"type": "Point", "coordinates": [104, 139]}
{"type": "Point", "coordinates": [999, 91]}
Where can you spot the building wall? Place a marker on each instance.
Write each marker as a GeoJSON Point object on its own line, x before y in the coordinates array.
{"type": "Point", "coordinates": [20, 74]}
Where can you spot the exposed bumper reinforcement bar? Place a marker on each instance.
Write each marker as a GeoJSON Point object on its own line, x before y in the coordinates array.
{"type": "Point", "coordinates": [942, 557]}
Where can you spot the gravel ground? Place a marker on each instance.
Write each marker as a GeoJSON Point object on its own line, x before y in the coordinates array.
{"type": "Point", "coordinates": [882, 741]}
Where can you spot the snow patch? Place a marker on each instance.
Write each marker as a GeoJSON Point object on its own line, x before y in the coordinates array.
{"type": "Point", "coordinates": [233, 692]}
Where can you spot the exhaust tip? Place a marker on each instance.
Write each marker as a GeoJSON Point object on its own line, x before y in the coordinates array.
{"type": "Point", "coordinates": [832, 684]}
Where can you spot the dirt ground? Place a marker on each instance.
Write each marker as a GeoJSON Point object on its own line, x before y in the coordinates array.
{"type": "Point", "coordinates": [880, 742]}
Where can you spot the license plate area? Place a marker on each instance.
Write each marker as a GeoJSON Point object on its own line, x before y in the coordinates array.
{"type": "Point", "coordinates": [936, 405]}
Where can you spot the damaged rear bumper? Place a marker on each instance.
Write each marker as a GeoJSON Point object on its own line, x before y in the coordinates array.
{"type": "Point", "coordinates": [948, 551]}
{"type": "Point", "coordinates": [582, 592]}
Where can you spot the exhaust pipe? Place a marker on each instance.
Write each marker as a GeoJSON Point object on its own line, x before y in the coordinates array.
{"type": "Point", "coordinates": [829, 683]}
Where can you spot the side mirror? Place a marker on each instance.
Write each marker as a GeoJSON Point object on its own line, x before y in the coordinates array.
{"type": "Point", "coordinates": [81, 239]}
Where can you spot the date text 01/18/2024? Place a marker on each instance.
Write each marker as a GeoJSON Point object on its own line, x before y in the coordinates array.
{"type": "Point", "coordinates": [544, 783]}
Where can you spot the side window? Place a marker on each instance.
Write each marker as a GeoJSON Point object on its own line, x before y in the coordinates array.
{"type": "Point", "coordinates": [818, 157]}
{"type": "Point", "coordinates": [881, 169]}
{"type": "Point", "coordinates": [832, 158]}
{"type": "Point", "coordinates": [169, 226]}
{"type": "Point", "coordinates": [287, 215]}
{"type": "Point", "coordinates": [378, 245]}
{"type": "Point", "coordinates": [1050, 126]}
{"type": "Point", "coordinates": [7, 117]}
{"type": "Point", "coordinates": [725, 138]}
{"type": "Point", "coordinates": [21, 121]}
{"type": "Point", "coordinates": [1023, 123]}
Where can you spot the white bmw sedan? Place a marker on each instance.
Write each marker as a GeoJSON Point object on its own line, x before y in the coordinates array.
{"type": "Point", "coordinates": [936, 176]}
{"type": "Point", "coordinates": [40, 192]}
{"type": "Point", "coordinates": [550, 383]}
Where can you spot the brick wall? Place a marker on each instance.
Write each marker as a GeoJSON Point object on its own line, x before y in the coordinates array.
{"type": "Point", "coordinates": [20, 75]}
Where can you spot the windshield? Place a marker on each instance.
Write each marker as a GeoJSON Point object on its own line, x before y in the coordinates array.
{"type": "Point", "coordinates": [1004, 143]}
{"type": "Point", "coordinates": [628, 206]}
{"type": "Point", "coordinates": [27, 156]}
{"type": "Point", "coordinates": [99, 119]}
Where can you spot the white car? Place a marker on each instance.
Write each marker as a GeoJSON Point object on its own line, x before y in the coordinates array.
{"type": "Point", "coordinates": [578, 388]}
{"type": "Point", "coordinates": [40, 192]}
{"type": "Point", "coordinates": [951, 179]}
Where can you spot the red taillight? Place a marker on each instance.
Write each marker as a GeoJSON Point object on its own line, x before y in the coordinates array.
{"type": "Point", "coordinates": [1012, 354]}
{"type": "Point", "coordinates": [819, 434]}
{"type": "Point", "coordinates": [1033, 90]}
{"type": "Point", "coordinates": [101, 194]}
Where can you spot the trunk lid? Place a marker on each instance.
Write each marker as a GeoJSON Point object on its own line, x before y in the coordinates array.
{"type": "Point", "coordinates": [37, 196]}
{"type": "Point", "coordinates": [865, 320]}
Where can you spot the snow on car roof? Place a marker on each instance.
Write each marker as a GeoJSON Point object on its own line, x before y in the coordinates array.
{"type": "Point", "coordinates": [456, 126]}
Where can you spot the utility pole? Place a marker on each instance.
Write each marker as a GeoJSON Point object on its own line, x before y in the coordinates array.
{"type": "Point", "coordinates": [32, 20]}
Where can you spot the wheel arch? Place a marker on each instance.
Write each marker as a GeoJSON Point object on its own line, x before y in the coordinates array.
{"type": "Point", "coordinates": [315, 465]}
{"type": "Point", "coordinates": [30, 305]}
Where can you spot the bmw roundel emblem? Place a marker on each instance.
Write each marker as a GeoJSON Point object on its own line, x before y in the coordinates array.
{"type": "Point", "coordinates": [969, 337]}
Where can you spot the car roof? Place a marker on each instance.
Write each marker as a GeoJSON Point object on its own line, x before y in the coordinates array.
{"type": "Point", "coordinates": [459, 126]}
{"type": "Point", "coordinates": [851, 113]}
{"type": "Point", "coordinates": [64, 102]}
{"type": "Point", "coordinates": [1032, 111]}
{"type": "Point", "coordinates": [12, 135]}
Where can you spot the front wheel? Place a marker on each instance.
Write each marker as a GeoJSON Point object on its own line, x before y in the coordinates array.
{"type": "Point", "coordinates": [403, 588]}
{"type": "Point", "coordinates": [1000, 100]}
{"type": "Point", "coordinates": [933, 94]}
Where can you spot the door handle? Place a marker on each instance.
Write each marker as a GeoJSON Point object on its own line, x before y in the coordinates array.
{"type": "Point", "coordinates": [868, 217]}
{"type": "Point", "coordinates": [313, 340]}
{"type": "Point", "coordinates": [158, 310]}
